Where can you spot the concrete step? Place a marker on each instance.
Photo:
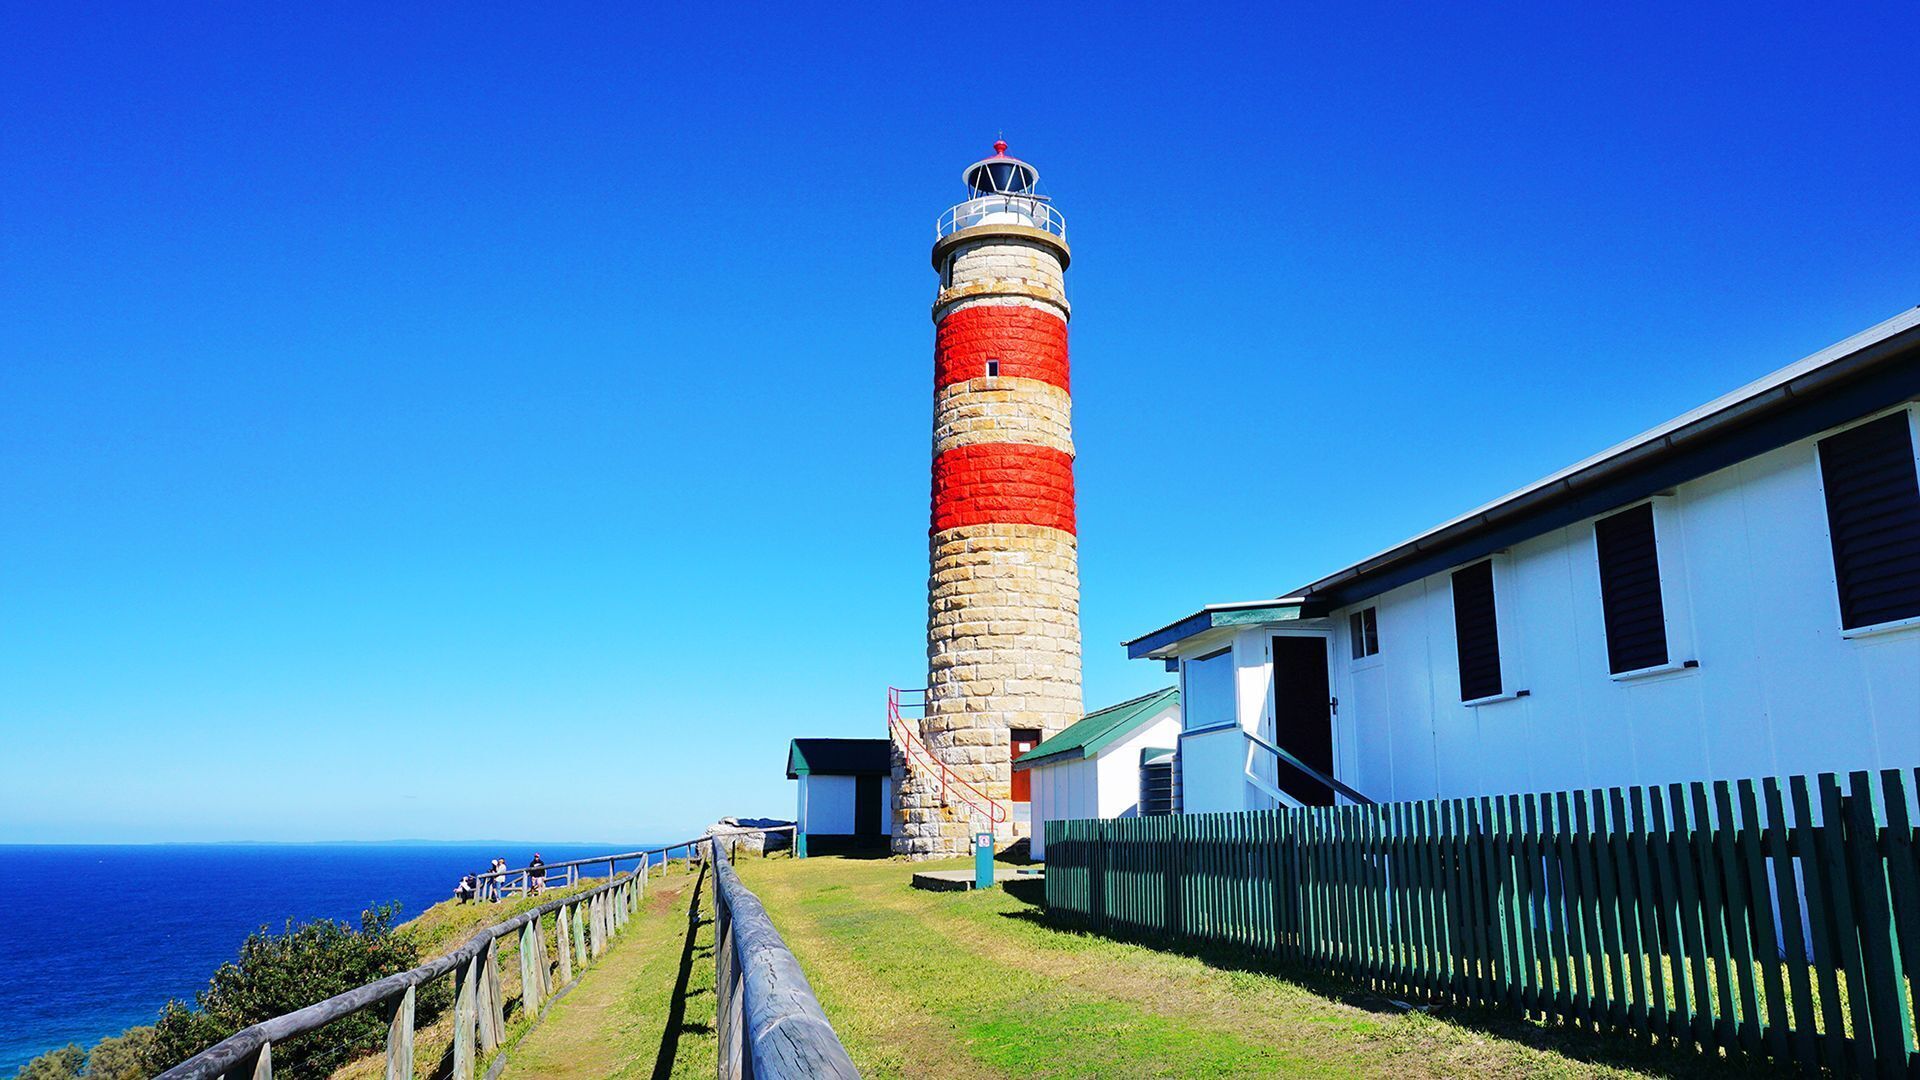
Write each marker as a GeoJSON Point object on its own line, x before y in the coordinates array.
{"type": "Point", "coordinates": [962, 880]}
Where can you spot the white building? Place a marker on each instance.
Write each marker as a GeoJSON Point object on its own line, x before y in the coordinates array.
{"type": "Point", "coordinates": [845, 788]}
{"type": "Point", "coordinates": [1093, 769]}
{"type": "Point", "coordinates": [1735, 593]}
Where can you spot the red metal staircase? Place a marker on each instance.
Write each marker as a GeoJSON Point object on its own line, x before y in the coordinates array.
{"type": "Point", "coordinates": [955, 793]}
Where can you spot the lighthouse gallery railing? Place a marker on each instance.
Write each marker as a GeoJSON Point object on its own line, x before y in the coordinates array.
{"type": "Point", "coordinates": [1033, 211]}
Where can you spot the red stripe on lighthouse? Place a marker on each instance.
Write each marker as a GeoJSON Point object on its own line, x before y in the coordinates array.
{"type": "Point", "coordinates": [1003, 484]}
{"type": "Point", "coordinates": [1030, 343]}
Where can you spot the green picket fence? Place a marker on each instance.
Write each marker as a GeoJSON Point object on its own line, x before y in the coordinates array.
{"type": "Point", "coordinates": [1768, 919]}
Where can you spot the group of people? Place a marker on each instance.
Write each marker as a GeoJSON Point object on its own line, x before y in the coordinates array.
{"type": "Point", "coordinates": [492, 884]}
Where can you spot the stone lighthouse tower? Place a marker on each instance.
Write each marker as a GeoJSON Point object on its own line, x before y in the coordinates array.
{"type": "Point", "coordinates": [1003, 594]}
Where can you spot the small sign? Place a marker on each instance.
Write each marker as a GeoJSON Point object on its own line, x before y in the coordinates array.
{"type": "Point", "coordinates": [983, 860]}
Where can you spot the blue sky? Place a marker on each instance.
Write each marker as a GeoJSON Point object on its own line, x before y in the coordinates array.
{"type": "Point", "coordinates": [470, 423]}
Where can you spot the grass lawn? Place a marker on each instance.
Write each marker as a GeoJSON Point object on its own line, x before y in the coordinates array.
{"type": "Point", "coordinates": [978, 984]}
{"type": "Point", "coordinates": [958, 985]}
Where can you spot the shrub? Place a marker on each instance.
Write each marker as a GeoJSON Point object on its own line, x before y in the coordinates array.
{"type": "Point", "coordinates": [278, 973]}
{"type": "Point", "coordinates": [123, 1057]}
{"type": "Point", "coordinates": [61, 1064]}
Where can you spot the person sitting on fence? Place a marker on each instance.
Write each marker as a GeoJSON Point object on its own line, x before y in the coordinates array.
{"type": "Point", "coordinates": [536, 873]}
{"type": "Point", "coordinates": [463, 892]}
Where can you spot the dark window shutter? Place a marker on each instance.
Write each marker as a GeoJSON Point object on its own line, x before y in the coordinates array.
{"type": "Point", "coordinates": [1630, 590]}
{"type": "Point", "coordinates": [1474, 632]}
{"type": "Point", "coordinates": [1873, 515]}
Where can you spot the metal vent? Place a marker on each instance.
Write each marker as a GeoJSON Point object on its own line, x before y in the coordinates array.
{"type": "Point", "coordinates": [1156, 784]}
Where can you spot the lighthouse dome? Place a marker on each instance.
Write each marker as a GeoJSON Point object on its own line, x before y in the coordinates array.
{"type": "Point", "coordinates": [1000, 174]}
{"type": "Point", "coordinates": [1001, 190]}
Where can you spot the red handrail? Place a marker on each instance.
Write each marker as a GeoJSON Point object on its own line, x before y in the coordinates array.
{"type": "Point", "coordinates": [910, 744]}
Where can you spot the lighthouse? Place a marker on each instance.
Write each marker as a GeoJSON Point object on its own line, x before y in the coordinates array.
{"type": "Point", "coordinates": [1003, 589]}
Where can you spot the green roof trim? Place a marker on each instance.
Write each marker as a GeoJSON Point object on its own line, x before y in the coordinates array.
{"type": "Point", "coordinates": [1098, 730]}
{"type": "Point", "coordinates": [1164, 643]}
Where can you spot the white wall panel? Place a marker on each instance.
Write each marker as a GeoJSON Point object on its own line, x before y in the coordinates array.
{"type": "Point", "coordinates": [1893, 685]}
{"type": "Point", "coordinates": [1747, 581]}
{"type": "Point", "coordinates": [829, 804]}
{"type": "Point", "coordinates": [1213, 769]}
{"type": "Point", "coordinates": [1118, 765]}
{"type": "Point", "coordinates": [1374, 760]}
{"type": "Point", "coordinates": [1063, 791]}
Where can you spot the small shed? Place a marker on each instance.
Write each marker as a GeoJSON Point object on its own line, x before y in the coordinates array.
{"type": "Point", "coordinates": [1096, 768]}
{"type": "Point", "coordinates": [845, 789]}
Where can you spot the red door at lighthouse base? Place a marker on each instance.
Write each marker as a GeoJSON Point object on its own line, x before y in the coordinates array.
{"type": "Point", "coordinates": [1024, 739]}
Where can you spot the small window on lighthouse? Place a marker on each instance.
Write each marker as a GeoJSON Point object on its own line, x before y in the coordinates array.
{"type": "Point", "coordinates": [993, 368]}
{"type": "Point", "coordinates": [946, 273]}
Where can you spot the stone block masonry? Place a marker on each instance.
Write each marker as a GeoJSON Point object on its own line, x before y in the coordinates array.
{"type": "Point", "coordinates": [1010, 483]}
{"type": "Point", "coordinates": [1002, 410]}
{"type": "Point", "coordinates": [1028, 342]}
{"type": "Point", "coordinates": [1003, 588]}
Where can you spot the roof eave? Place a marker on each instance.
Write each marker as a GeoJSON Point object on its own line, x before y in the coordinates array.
{"type": "Point", "coordinates": [1831, 367]}
{"type": "Point", "coordinates": [1072, 753]}
{"type": "Point", "coordinates": [1166, 642]}
{"type": "Point", "coordinates": [1130, 715]}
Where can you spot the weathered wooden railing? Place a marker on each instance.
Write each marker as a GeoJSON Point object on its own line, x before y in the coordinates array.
{"type": "Point", "coordinates": [500, 884]}
{"type": "Point", "coordinates": [770, 1025]}
{"type": "Point", "coordinates": [582, 927]}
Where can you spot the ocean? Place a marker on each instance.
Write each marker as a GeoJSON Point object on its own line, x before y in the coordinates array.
{"type": "Point", "coordinates": [112, 932]}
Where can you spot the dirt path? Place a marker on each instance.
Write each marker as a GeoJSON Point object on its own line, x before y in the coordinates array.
{"type": "Point", "coordinates": [646, 1007]}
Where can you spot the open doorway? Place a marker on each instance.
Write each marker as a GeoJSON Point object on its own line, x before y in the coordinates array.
{"type": "Point", "coordinates": [866, 806]}
{"type": "Point", "coordinates": [1021, 741]}
{"type": "Point", "coordinates": [1303, 715]}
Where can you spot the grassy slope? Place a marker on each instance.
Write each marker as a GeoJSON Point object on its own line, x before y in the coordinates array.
{"type": "Point", "coordinates": [444, 927]}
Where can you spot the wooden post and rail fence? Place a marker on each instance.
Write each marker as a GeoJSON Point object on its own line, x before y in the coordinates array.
{"type": "Point", "coordinates": [500, 884]}
{"type": "Point", "coordinates": [557, 942]}
{"type": "Point", "coordinates": [769, 1023]}
{"type": "Point", "coordinates": [1775, 921]}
